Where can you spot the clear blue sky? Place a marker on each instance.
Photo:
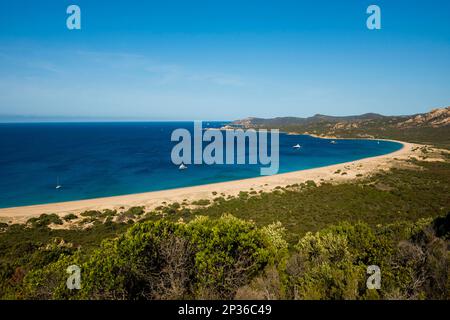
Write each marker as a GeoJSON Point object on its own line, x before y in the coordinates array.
{"type": "Point", "coordinates": [222, 59]}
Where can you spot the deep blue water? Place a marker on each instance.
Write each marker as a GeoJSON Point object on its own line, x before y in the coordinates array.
{"type": "Point", "coordinates": [106, 159]}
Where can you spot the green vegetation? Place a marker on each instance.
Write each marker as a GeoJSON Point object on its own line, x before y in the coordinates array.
{"type": "Point", "coordinates": [398, 195]}
{"type": "Point", "coordinates": [45, 220]}
{"type": "Point", "coordinates": [303, 241]}
{"type": "Point", "coordinates": [70, 217]}
{"type": "Point", "coordinates": [201, 202]}
{"type": "Point", "coordinates": [430, 128]}
{"type": "Point", "coordinates": [439, 137]}
{"type": "Point", "coordinates": [135, 211]}
{"type": "Point", "coordinates": [230, 258]}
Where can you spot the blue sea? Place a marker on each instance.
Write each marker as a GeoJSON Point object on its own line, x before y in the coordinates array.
{"type": "Point", "coordinates": [91, 160]}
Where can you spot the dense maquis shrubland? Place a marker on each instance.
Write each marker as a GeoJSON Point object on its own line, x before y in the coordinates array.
{"type": "Point", "coordinates": [303, 241]}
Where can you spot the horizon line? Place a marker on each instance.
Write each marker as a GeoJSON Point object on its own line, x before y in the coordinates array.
{"type": "Point", "coordinates": [10, 118]}
{"type": "Point", "coordinates": [104, 121]}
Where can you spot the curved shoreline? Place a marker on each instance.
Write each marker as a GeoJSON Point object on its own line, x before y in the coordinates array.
{"type": "Point", "coordinates": [153, 199]}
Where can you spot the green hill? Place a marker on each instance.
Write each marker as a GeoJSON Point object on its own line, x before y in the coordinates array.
{"type": "Point", "coordinates": [427, 128]}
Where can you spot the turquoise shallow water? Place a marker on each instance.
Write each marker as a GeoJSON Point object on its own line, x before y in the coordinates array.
{"type": "Point", "coordinates": [93, 160]}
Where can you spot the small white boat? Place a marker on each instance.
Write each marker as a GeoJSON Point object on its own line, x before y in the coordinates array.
{"type": "Point", "coordinates": [58, 186]}
{"type": "Point", "coordinates": [333, 142]}
{"type": "Point", "coordinates": [297, 146]}
{"type": "Point", "coordinates": [182, 167]}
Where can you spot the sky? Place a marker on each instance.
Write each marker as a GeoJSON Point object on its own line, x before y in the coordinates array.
{"type": "Point", "coordinates": [222, 59]}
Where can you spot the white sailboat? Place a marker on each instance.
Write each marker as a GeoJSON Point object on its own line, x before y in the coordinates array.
{"type": "Point", "coordinates": [182, 167]}
{"type": "Point", "coordinates": [333, 142]}
{"type": "Point", "coordinates": [58, 186]}
{"type": "Point", "coordinates": [297, 146]}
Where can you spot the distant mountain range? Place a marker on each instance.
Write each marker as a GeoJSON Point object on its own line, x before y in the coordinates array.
{"type": "Point", "coordinates": [432, 127]}
{"type": "Point", "coordinates": [434, 118]}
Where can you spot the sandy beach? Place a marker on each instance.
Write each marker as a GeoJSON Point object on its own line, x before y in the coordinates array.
{"type": "Point", "coordinates": [353, 170]}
